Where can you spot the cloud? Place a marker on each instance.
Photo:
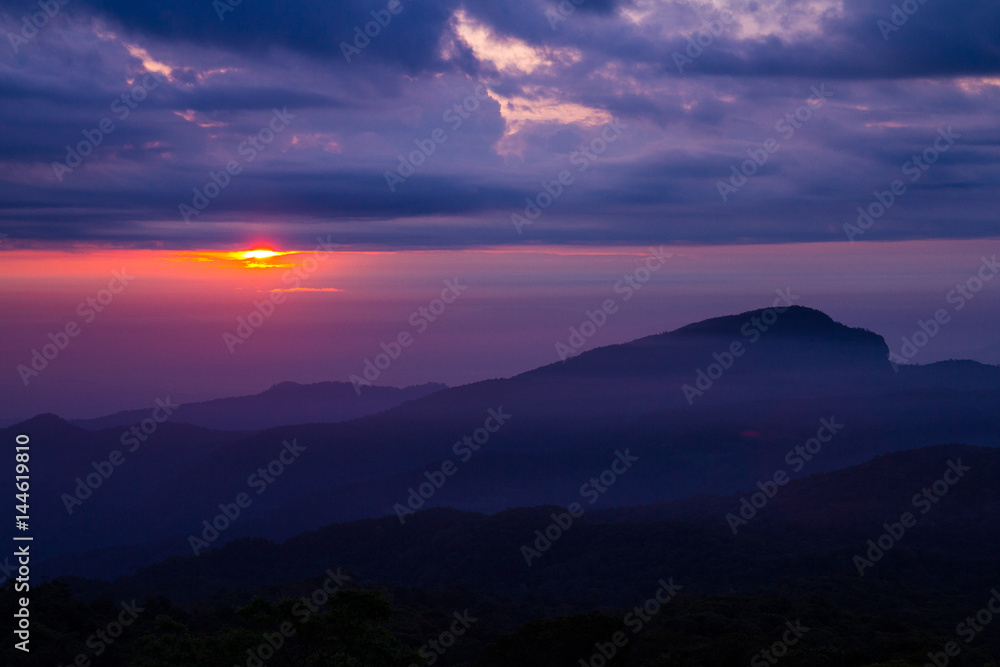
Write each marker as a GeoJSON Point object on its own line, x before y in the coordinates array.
{"type": "Point", "coordinates": [549, 90]}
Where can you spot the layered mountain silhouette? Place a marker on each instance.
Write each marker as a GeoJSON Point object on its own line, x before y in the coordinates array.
{"type": "Point", "coordinates": [803, 542]}
{"type": "Point", "coordinates": [284, 403]}
{"type": "Point", "coordinates": [697, 417]}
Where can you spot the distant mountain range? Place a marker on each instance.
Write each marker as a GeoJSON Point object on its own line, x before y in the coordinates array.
{"type": "Point", "coordinates": [284, 403]}
{"type": "Point", "coordinates": [802, 543]}
{"type": "Point", "coordinates": [711, 408]}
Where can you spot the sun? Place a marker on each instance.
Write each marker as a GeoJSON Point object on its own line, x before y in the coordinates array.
{"type": "Point", "coordinates": [259, 254]}
{"type": "Point", "coordinates": [256, 258]}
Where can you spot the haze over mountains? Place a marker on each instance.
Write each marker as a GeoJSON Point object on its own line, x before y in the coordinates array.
{"type": "Point", "coordinates": [559, 211]}
{"type": "Point", "coordinates": [284, 403]}
{"type": "Point", "coordinates": [548, 432]}
{"type": "Point", "coordinates": [806, 536]}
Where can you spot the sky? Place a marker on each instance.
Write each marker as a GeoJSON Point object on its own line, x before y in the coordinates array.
{"type": "Point", "coordinates": [535, 149]}
{"type": "Point", "coordinates": [551, 82]}
{"type": "Point", "coordinates": [169, 330]}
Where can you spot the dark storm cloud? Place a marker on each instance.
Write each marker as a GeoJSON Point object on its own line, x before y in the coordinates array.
{"type": "Point", "coordinates": [939, 39]}
{"type": "Point", "coordinates": [313, 28]}
{"type": "Point", "coordinates": [353, 122]}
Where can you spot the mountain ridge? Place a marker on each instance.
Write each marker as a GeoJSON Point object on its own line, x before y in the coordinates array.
{"type": "Point", "coordinates": [282, 403]}
{"type": "Point", "coordinates": [566, 423]}
{"type": "Point", "coordinates": [490, 543]}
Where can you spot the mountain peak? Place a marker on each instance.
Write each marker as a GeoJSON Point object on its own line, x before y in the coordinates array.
{"type": "Point", "coordinates": [795, 332]}
{"type": "Point", "coordinates": [774, 342]}
{"type": "Point", "coordinates": [47, 423]}
{"type": "Point", "coordinates": [792, 320]}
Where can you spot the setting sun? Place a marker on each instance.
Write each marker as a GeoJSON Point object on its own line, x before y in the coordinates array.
{"type": "Point", "coordinates": [259, 254]}
{"type": "Point", "coordinates": [247, 259]}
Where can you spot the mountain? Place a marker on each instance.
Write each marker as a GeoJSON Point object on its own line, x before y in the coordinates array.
{"type": "Point", "coordinates": [568, 420]}
{"type": "Point", "coordinates": [793, 566]}
{"type": "Point", "coordinates": [81, 491]}
{"type": "Point", "coordinates": [284, 403]}
{"type": "Point", "coordinates": [696, 412]}
{"type": "Point", "coordinates": [803, 542]}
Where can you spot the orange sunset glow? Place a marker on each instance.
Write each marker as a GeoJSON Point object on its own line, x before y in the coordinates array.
{"type": "Point", "coordinates": [248, 259]}
{"type": "Point", "coordinates": [260, 254]}
{"type": "Point", "coordinates": [490, 333]}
